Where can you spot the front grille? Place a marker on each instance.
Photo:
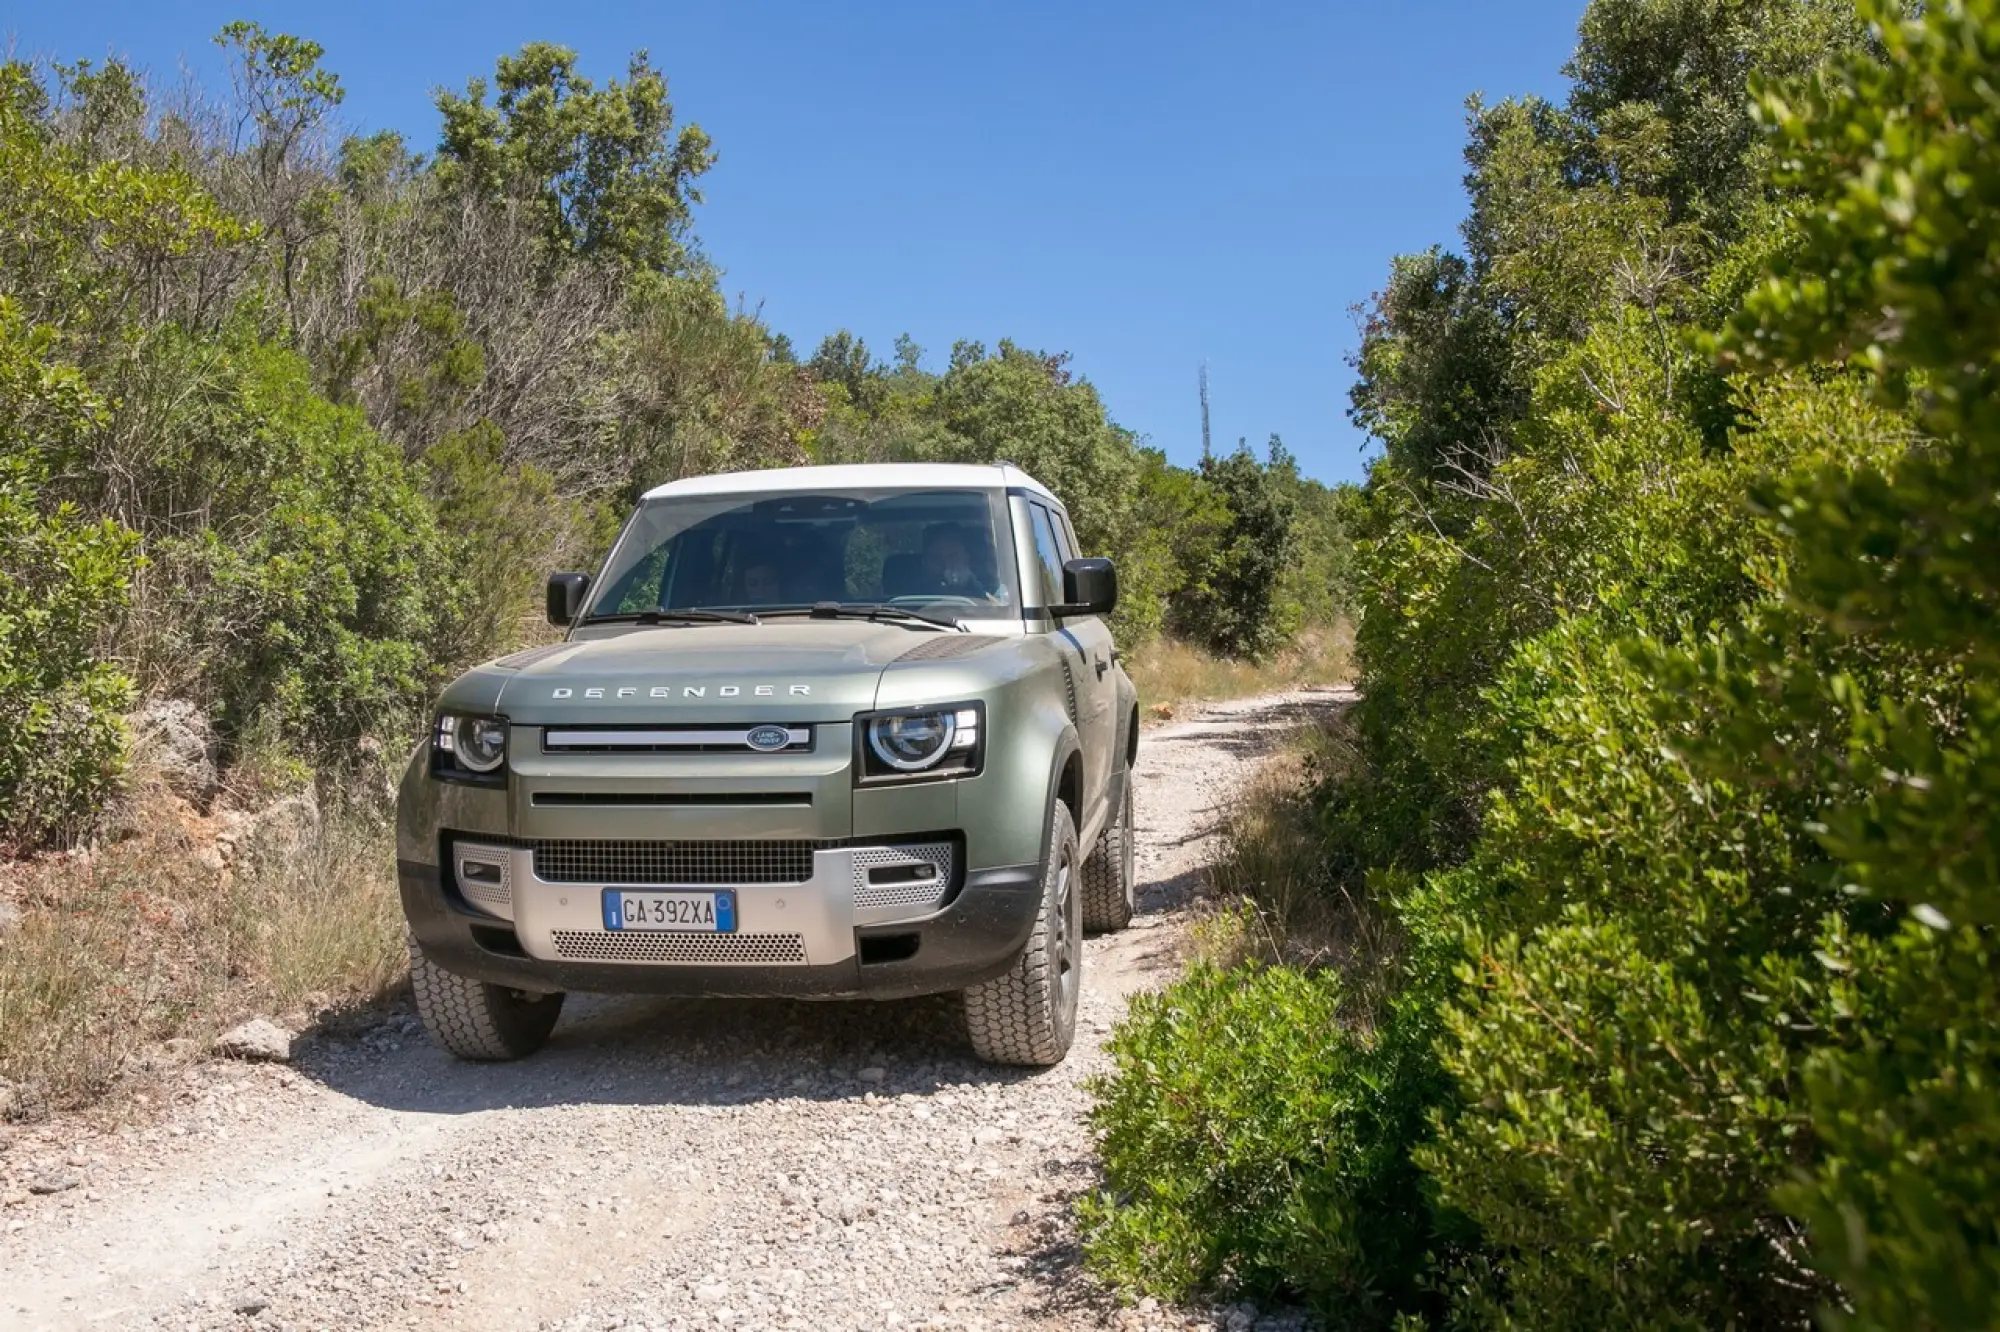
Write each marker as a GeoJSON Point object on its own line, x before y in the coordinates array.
{"type": "Point", "coordinates": [673, 740]}
{"type": "Point", "coordinates": [657, 946]}
{"type": "Point", "coordinates": [707, 799]}
{"type": "Point", "coordinates": [695, 863]}
{"type": "Point", "coordinates": [906, 892]}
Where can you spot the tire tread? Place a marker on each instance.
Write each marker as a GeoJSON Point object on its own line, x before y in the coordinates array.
{"type": "Point", "coordinates": [1012, 1018]}
{"type": "Point", "coordinates": [1107, 897]}
{"type": "Point", "coordinates": [474, 1020]}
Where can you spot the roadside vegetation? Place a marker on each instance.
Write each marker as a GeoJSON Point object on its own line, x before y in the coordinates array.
{"type": "Point", "coordinates": [292, 426]}
{"type": "Point", "coordinates": [1172, 671]}
{"type": "Point", "coordinates": [1675, 776]}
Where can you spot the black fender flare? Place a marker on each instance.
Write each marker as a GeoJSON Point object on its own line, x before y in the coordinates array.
{"type": "Point", "coordinates": [1067, 746]}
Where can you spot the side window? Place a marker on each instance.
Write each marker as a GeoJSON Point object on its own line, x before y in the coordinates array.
{"type": "Point", "coordinates": [1048, 555]}
{"type": "Point", "coordinates": [1066, 537]}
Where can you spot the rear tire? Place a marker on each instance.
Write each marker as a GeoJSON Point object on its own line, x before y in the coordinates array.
{"type": "Point", "coordinates": [1027, 1016]}
{"type": "Point", "coordinates": [1110, 888]}
{"type": "Point", "coordinates": [475, 1020]}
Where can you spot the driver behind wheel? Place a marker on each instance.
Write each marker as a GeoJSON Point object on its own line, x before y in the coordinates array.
{"type": "Point", "coordinates": [947, 564]}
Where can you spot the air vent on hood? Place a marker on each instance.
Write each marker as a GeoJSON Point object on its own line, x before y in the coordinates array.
{"type": "Point", "coordinates": [522, 660]}
{"type": "Point", "coordinates": [943, 647]}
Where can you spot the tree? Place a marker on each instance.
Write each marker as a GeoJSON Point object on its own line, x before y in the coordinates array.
{"type": "Point", "coordinates": [611, 174]}
{"type": "Point", "coordinates": [1230, 602]}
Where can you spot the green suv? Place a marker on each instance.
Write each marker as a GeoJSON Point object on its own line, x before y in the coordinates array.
{"type": "Point", "coordinates": [819, 731]}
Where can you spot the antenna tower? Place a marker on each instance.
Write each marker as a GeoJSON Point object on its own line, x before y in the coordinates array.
{"type": "Point", "coordinates": [1204, 411]}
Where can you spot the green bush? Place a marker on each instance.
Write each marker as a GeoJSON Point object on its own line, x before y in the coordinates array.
{"type": "Point", "coordinates": [63, 581]}
{"type": "Point", "coordinates": [1231, 598]}
{"type": "Point", "coordinates": [315, 593]}
{"type": "Point", "coordinates": [1249, 1138]}
{"type": "Point", "coordinates": [1681, 749]}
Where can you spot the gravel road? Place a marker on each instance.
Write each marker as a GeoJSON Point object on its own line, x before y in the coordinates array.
{"type": "Point", "coordinates": [663, 1164]}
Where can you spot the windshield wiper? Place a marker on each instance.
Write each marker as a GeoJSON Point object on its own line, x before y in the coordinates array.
{"type": "Point", "coordinates": [682, 614]}
{"type": "Point", "coordinates": [873, 610]}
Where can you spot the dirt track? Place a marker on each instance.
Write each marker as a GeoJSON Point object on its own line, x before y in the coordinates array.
{"type": "Point", "coordinates": [663, 1164]}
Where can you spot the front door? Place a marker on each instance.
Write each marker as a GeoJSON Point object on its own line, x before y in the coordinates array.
{"type": "Point", "coordinates": [1086, 647]}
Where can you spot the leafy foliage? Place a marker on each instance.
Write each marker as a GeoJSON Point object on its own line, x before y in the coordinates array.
{"type": "Point", "coordinates": [60, 737]}
{"type": "Point", "coordinates": [1678, 749]}
{"type": "Point", "coordinates": [1245, 1135]}
{"type": "Point", "coordinates": [610, 175]}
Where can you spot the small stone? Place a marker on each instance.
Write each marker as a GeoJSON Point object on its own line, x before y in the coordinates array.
{"type": "Point", "coordinates": [251, 1305]}
{"type": "Point", "coordinates": [872, 1074]}
{"type": "Point", "coordinates": [53, 1182]}
{"type": "Point", "coordinates": [986, 1136]}
{"type": "Point", "coordinates": [711, 1293]}
{"type": "Point", "coordinates": [259, 1038]}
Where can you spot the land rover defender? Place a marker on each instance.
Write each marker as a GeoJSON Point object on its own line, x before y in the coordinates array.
{"type": "Point", "coordinates": [819, 731]}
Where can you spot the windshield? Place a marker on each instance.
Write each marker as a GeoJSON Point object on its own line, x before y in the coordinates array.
{"type": "Point", "coordinates": [947, 552]}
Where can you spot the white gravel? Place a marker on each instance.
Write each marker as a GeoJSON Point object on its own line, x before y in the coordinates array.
{"type": "Point", "coordinates": [663, 1164]}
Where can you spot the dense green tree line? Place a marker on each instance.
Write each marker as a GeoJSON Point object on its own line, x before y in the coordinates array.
{"type": "Point", "coordinates": [1677, 766]}
{"type": "Point", "coordinates": [292, 425]}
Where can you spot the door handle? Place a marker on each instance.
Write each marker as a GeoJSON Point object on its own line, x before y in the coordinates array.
{"type": "Point", "coordinates": [1102, 666]}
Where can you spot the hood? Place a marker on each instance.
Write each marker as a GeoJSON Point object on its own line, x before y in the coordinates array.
{"type": "Point", "coordinates": [793, 670]}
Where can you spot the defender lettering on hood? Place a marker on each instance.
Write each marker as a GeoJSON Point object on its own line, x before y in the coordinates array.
{"type": "Point", "coordinates": [686, 691]}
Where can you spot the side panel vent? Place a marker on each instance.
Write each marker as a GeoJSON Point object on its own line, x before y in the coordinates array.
{"type": "Point", "coordinates": [1069, 687]}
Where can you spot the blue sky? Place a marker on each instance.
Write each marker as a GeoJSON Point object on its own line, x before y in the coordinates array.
{"type": "Point", "coordinates": [1146, 186]}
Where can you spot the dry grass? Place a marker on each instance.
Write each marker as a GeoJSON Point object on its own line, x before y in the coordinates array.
{"type": "Point", "coordinates": [1169, 672]}
{"type": "Point", "coordinates": [1272, 898]}
{"type": "Point", "coordinates": [147, 948]}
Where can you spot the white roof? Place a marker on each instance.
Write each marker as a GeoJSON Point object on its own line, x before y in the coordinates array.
{"type": "Point", "coordinates": [855, 476]}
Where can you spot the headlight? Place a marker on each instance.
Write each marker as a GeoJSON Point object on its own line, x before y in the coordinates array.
{"type": "Point", "coordinates": [932, 741]}
{"type": "Point", "coordinates": [473, 744]}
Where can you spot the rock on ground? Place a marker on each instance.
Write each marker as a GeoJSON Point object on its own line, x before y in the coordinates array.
{"type": "Point", "coordinates": [259, 1038]}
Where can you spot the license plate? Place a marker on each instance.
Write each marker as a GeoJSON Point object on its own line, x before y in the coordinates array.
{"type": "Point", "coordinates": [693, 913]}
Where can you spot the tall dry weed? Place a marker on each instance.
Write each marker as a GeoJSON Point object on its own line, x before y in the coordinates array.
{"type": "Point", "coordinates": [1169, 672]}
{"type": "Point", "coordinates": [151, 946]}
{"type": "Point", "coordinates": [1273, 899]}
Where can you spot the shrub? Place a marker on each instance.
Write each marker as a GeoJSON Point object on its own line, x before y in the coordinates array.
{"type": "Point", "coordinates": [1248, 1137]}
{"type": "Point", "coordinates": [63, 579]}
{"type": "Point", "coordinates": [312, 593]}
{"type": "Point", "coordinates": [1681, 749]}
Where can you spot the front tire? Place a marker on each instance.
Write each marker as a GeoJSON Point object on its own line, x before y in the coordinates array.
{"type": "Point", "coordinates": [1110, 888]}
{"type": "Point", "coordinates": [1027, 1015]}
{"type": "Point", "coordinates": [475, 1020]}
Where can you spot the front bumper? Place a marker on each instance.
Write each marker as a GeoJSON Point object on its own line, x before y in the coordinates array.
{"type": "Point", "coordinates": [804, 937]}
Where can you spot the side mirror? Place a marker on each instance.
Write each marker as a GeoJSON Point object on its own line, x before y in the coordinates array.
{"type": "Point", "coordinates": [566, 593]}
{"type": "Point", "coordinates": [1090, 587]}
